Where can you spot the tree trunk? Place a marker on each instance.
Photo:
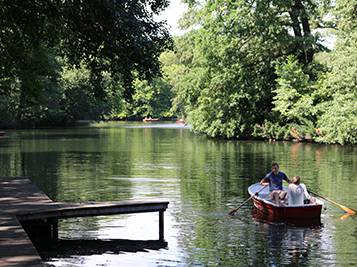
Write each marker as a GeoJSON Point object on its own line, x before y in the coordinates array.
{"type": "Point", "coordinates": [299, 17]}
{"type": "Point", "coordinates": [307, 33]}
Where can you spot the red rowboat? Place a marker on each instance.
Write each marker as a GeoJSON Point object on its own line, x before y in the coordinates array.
{"type": "Point", "coordinates": [149, 119]}
{"type": "Point", "coordinates": [307, 213]}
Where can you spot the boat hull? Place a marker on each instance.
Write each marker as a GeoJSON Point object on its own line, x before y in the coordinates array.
{"type": "Point", "coordinates": [304, 214]}
{"type": "Point", "coordinates": [297, 215]}
{"type": "Point", "coordinates": [150, 120]}
{"type": "Point", "coordinates": [260, 216]}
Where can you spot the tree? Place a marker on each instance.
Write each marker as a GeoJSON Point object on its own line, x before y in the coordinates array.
{"type": "Point", "coordinates": [295, 99]}
{"type": "Point", "coordinates": [151, 99]}
{"type": "Point", "coordinates": [110, 36]}
{"type": "Point", "coordinates": [338, 123]}
{"type": "Point", "coordinates": [226, 84]}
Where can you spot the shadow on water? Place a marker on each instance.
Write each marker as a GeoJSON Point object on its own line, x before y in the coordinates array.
{"type": "Point", "coordinates": [68, 248]}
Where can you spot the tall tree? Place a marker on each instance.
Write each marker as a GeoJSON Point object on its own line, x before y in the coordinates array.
{"type": "Point", "coordinates": [231, 75]}
{"type": "Point", "coordinates": [338, 122]}
{"type": "Point", "coordinates": [112, 36]}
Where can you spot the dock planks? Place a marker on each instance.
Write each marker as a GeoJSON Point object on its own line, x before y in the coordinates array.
{"type": "Point", "coordinates": [21, 200]}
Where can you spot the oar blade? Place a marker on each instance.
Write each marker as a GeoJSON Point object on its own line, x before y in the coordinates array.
{"type": "Point", "coordinates": [345, 216]}
{"type": "Point", "coordinates": [348, 210]}
{"type": "Point", "coordinates": [232, 212]}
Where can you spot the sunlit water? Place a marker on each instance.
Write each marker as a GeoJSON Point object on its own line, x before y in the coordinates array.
{"type": "Point", "coordinates": [202, 178]}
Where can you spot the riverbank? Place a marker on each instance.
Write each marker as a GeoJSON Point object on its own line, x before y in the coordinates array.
{"type": "Point", "coordinates": [23, 126]}
{"type": "Point", "coordinates": [260, 134]}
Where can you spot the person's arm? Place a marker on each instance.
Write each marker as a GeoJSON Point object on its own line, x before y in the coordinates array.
{"type": "Point", "coordinates": [286, 178]}
{"type": "Point", "coordinates": [265, 181]}
{"type": "Point", "coordinates": [306, 194]}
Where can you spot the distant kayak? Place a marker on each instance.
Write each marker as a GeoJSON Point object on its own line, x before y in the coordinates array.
{"type": "Point", "coordinates": [149, 119]}
{"type": "Point", "coordinates": [308, 213]}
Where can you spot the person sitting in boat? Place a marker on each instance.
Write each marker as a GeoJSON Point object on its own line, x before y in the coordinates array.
{"type": "Point", "coordinates": [275, 181]}
{"type": "Point", "coordinates": [297, 192]}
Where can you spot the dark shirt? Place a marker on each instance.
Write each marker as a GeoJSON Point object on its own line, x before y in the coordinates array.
{"type": "Point", "coordinates": [275, 181]}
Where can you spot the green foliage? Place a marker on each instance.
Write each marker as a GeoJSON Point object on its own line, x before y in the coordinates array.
{"type": "Point", "coordinates": [9, 101]}
{"type": "Point", "coordinates": [162, 98]}
{"type": "Point", "coordinates": [339, 122]}
{"type": "Point", "coordinates": [150, 99]}
{"type": "Point", "coordinates": [247, 69]}
{"type": "Point", "coordinates": [271, 130]}
{"type": "Point", "coordinates": [243, 69]}
{"type": "Point", "coordinates": [116, 36]}
{"type": "Point", "coordinates": [223, 75]}
{"type": "Point", "coordinates": [329, 101]}
{"type": "Point", "coordinates": [79, 101]}
{"type": "Point", "coordinates": [110, 38]}
{"type": "Point", "coordinates": [294, 103]}
{"type": "Point", "coordinates": [293, 98]}
{"type": "Point", "coordinates": [177, 75]}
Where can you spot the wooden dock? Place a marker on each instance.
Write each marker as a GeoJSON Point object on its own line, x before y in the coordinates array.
{"type": "Point", "coordinates": [27, 214]}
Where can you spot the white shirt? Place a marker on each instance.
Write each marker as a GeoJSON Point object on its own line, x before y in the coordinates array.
{"type": "Point", "coordinates": [296, 194]}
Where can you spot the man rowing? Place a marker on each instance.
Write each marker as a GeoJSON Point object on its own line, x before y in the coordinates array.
{"type": "Point", "coordinates": [275, 181]}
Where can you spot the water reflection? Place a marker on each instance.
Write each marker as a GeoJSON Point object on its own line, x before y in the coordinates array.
{"type": "Point", "coordinates": [294, 245]}
{"type": "Point", "coordinates": [201, 178]}
{"type": "Point", "coordinates": [288, 245]}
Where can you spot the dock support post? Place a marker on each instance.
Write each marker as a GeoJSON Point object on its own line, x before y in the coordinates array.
{"type": "Point", "coordinates": [54, 230]}
{"type": "Point", "coordinates": [161, 225]}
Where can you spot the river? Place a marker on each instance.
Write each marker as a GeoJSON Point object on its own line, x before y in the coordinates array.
{"type": "Point", "coordinates": [201, 177]}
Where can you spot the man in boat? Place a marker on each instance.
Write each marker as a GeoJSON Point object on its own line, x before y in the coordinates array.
{"type": "Point", "coordinates": [297, 192]}
{"type": "Point", "coordinates": [275, 181]}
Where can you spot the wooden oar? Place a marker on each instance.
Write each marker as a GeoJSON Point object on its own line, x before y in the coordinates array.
{"type": "Point", "coordinates": [345, 216]}
{"type": "Point", "coordinates": [234, 211]}
{"type": "Point", "coordinates": [348, 210]}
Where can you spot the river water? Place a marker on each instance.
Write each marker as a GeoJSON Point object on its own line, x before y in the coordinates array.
{"type": "Point", "coordinates": [202, 178]}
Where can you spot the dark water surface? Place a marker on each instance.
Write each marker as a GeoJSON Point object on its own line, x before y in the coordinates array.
{"type": "Point", "coordinates": [202, 179]}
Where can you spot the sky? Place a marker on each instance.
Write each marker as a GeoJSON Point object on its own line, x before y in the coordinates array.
{"type": "Point", "coordinates": [172, 14]}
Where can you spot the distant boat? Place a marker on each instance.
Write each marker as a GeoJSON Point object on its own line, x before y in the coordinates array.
{"type": "Point", "coordinates": [2, 133]}
{"type": "Point", "coordinates": [308, 213]}
{"type": "Point", "coordinates": [149, 119]}
{"type": "Point", "coordinates": [181, 121]}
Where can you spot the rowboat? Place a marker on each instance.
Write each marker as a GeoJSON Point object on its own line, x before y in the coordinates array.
{"type": "Point", "coordinates": [297, 214]}
{"type": "Point", "coordinates": [149, 119]}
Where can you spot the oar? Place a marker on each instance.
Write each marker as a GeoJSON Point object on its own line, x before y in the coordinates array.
{"type": "Point", "coordinates": [348, 210]}
{"type": "Point", "coordinates": [345, 216]}
{"type": "Point", "coordinates": [234, 211]}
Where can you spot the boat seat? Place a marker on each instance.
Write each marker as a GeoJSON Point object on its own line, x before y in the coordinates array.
{"type": "Point", "coordinates": [263, 195]}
